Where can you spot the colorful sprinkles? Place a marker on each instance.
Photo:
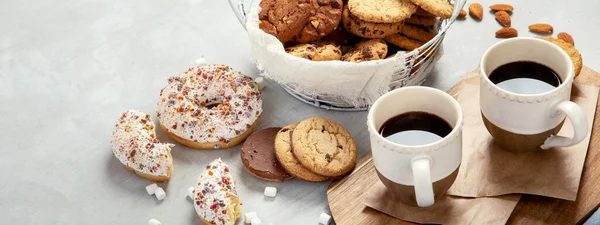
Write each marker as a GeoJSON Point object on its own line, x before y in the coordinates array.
{"type": "Point", "coordinates": [134, 143]}
{"type": "Point", "coordinates": [209, 103]}
{"type": "Point", "coordinates": [214, 193]}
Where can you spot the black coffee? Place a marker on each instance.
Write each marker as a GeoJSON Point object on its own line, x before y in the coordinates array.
{"type": "Point", "coordinates": [524, 77]}
{"type": "Point", "coordinates": [415, 128]}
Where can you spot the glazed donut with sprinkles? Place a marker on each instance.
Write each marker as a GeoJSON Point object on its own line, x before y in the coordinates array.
{"type": "Point", "coordinates": [215, 197]}
{"type": "Point", "coordinates": [134, 143]}
{"type": "Point", "coordinates": [209, 107]}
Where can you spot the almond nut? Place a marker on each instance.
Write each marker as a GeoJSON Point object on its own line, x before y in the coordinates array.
{"type": "Point", "coordinates": [566, 37]}
{"type": "Point", "coordinates": [541, 28]}
{"type": "Point", "coordinates": [502, 7]}
{"type": "Point", "coordinates": [507, 32]}
{"type": "Point", "coordinates": [462, 14]}
{"type": "Point", "coordinates": [476, 11]}
{"type": "Point", "coordinates": [503, 18]}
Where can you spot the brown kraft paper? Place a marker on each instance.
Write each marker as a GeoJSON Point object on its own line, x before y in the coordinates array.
{"type": "Point", "coordinates": [487, 170]}
{"type": "Point", "coordinates": [447, 210]}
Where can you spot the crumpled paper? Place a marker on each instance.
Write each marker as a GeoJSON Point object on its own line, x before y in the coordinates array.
{"type": "Point", "coordinates": [447, 210]}
{"type": "Point", "coordinates": [488, 170]}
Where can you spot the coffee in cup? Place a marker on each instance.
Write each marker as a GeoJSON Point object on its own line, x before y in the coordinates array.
{"type": "Point", "coordinates": [416, 140]}
{"type": "Point", "coordinates": [525, 86]}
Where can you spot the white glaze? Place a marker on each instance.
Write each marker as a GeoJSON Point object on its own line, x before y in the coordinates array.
{"type": "Point", "coordinates": [213, 193]}
{"type": "Point", "coordinates": [182, 107]}
{"type": "Point", "coordinates": [134, 143]}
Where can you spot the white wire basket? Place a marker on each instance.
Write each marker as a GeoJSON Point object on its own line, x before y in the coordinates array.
{"type": "Point", "coordinates": [413, 67]}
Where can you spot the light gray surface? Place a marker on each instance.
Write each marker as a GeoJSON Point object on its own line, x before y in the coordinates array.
{"type": "Point", "coordinates": [68, 69]}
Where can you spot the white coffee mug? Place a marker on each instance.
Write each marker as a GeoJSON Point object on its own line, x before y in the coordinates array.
{"type": "Point", "coordinates": [416, 174]}
{"type": "Point", "coordinates": [528, 122]}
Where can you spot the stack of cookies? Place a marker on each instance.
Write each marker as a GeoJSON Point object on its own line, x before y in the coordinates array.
{"type": "Point", "coordinates": [315, 150]}
{"type": "Point", "coordinates": [354, 31]}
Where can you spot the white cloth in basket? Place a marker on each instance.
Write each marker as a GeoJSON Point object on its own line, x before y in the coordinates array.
{"type": "Point", "coordinates": [356, 83]}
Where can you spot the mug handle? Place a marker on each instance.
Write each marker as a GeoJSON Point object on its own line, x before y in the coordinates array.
{"type": "Point", "coordinates": [421, 169]}
{"type": "Point", "coordinates": [580, 126]}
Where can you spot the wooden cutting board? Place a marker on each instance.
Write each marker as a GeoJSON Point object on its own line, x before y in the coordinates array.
{"type": "Point", "coordinates": [345, 196]}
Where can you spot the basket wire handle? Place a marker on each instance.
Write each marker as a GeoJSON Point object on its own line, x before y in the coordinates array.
{"type": "Point", "coordinates": [239, 9]}
{"type": "Point", "coordinates": [458, 5]}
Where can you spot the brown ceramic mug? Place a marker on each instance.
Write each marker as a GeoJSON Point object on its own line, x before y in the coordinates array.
{"type": "Point", "coordinates": [529, 122]}
{"type": "Point", "coordinates": [417, 174]}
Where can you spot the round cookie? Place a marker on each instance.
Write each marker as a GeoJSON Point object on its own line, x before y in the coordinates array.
{"type": "Point", "coordinates": [324, 147]}
{"type": "Point", "coordinates": [367, 50]}
{"type": "Point", "coordinates": [404, 42]}
{"type": "Point", "coordinates": [421, 12]}
{"type": "Point", "coordinates": [421, 20]}
{"type": "Point", "coordinates": [439, 8]}
{"type": "Point", "coordinates": [570, 50]}
{"type": "Point", "coordinates": [342, 37]}
{"type": "Point", "coordinates": [318, 51]}
{"type": "Point", "coordinates": [417, 33]}
{"type": "Point", "coordinates": [382, 11]}
{"type": "Point", "coordinates": [258, 156]}
{"type": "Point", "coordinates": [283, 151]}
{"type": "Point", "coordinates": [284, 19]}
{"type": "Point", "coordinates": [367, 29]}
{"type": "Point", "coordinates": [328, 14]}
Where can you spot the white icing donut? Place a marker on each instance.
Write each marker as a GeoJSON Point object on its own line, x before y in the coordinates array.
{"type": "Point", "coordinates": [209, 106]}
{"type": "Point", "coordinates": [134, 143]}
{"type": "Point", "coordinates": [215, 198]}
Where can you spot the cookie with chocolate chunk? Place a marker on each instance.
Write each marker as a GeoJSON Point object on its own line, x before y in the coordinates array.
{"type": "Point", "coordinates": [327, 16]}
{"type": "Point", "coordinates": [367, 50]}
{"type": "Point", "coordinates": [382, 11]}
{"type": "Point", "coordinates": [318, 51]}
{"type": "Point", "coordinates": [324, 147]}
{"type": "Point", "coordinates": [258, 156]}
{"type": "Point", "coordinates": [439, 8]}
{"type": "Point", "coordinates": [368, 29]}
{"type": "Point", "coordinates": [284, 19]}
{"type": "Point", "coordinates": [283, 151]}
{"type": "Point", "coordinates": [342, 37]}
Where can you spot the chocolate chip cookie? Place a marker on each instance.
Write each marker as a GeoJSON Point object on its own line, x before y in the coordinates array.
{"type": "Point", "coordinates": [368, 29]}
{"type": "Point", "coordinates": [283, 151]}
{"type": "Point", "coordinates": [417, 33]}
{"type": "Point", "coordinates": [326, 18]}
{"type": "Point", "coordinates": [342, 37]}
{"type": "Point", "coordinates": [324, 147]}
{"type": "Point", "coordinates": [404, 42]}
{"type": "Point", "coordinates": [258, 156]}
{"type": "Point", "coordinates": [367, 50]}
{"type": "Point", "coordinates": [318, 51]}
{"type": "Point", "coordinates": [382, 11]}
{"type": "Point", "coordinates": [421, 20]}
{"type": "Point", "coordinates": [439, 8]}
{"type": "Point", "coordinates": [284, 19]}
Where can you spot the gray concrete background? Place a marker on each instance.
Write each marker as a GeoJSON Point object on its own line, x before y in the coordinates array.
{"type": "Point", "coordinates": [68, 69]}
